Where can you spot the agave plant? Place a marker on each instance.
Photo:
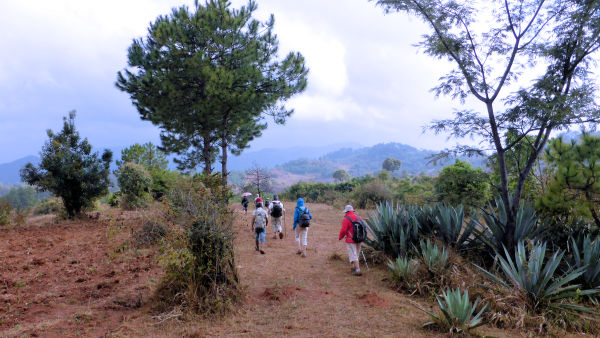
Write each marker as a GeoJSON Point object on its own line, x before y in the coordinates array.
{"type": "Point", "coordinates": [394, 230]}
{"type": "Point", "coordinates": [458, 313]}
{"type": "Point", "coordinates": [451, 228]}
{"type": "Point", "coordinates": [403, 269]}
{"type": "Point", "coordinates": [491, 232]}
{"type": "Point", "coordinates": [539, 280]}
{"type": "Point", "coordinates": [588, 257]}
{"type": "Point", "coordinates": [433, 257]}
{"type": "Point", "coordinates": [425, 216]}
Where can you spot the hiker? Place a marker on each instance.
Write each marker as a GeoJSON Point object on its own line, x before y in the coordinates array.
{"type": "Point", "coordinates": [245, 203]}
{"type": "Point", "coordinates": [353, 241]}
{"type": "Point", "coordinates": [260, 220]}
{"type": "Point", "coordinates": [277, 211]}
{"type": "Point", "coordinates": [302, 217]}
{"type": "Point", "coordinates": [258, 199]}
{"type": "Point", "coordinates": [267, 203]}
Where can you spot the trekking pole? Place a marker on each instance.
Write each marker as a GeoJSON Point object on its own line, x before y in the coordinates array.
{"type": "Point", "coordinates": [365, 258]}
{"type": "Point", "coordinates": [284, 227]}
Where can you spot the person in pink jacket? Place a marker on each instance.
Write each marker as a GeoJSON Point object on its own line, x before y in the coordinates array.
{"type": "Point", "coordinates": [347, 231]}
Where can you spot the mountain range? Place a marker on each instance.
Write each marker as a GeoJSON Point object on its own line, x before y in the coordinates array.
{"type": "Point", "coordinates": [303, 163]}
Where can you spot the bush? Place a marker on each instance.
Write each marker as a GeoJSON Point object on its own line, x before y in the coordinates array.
{"type": "Point", "coordinates": [434, 258]}
{"type": "Point", "coordinates": [370, 194]}
{"type": "Point", "coordinates": [52, 205]}
{"type": "Point", "coordinates": [135, 182]}
{"type": "Point", "coordinates": [150, 233]}
{"type": "Point", "coordinates": [5, 210]}
{"type": "Point", "coordinates": [199, 260]}
{"type": "Point", "coordinates": [114, 199]}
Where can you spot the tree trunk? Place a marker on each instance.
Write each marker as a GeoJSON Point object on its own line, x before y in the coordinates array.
{"type": "Point", "coordinates": [207, 157]}
{"type": "Point", "coordinates": [224, 147]}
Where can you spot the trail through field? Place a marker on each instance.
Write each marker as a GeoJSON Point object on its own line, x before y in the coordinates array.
{"type": "Point", "coordinates": [82, 280]}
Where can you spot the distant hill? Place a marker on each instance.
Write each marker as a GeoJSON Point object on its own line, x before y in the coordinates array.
{"type": "Point", "coordinates": [9, 172]}
{"type": "Point", "coordinates": [362, 161]}
{"type": "Point", "coordinates": [271, 157]}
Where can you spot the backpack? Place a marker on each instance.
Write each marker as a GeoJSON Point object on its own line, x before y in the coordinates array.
{"type": "Point", "coordinates": [277, 210]}
{"type": "Point", "coordinates": [260, 222]}
{"type": "Point", "coordinates": [359, 230]}
{"type": "Point", "coordinates": [304, 219]}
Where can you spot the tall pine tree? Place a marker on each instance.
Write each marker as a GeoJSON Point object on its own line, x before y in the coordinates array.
{"type": "Point", "coordinates": [208, 78]}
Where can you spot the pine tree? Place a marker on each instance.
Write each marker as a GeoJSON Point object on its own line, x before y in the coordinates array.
{"type": "Point", "coordinates": [208, 78]}
{"type": "Point", "coordinates": [69, 169]}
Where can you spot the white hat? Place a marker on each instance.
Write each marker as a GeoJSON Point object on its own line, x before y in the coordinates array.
{"type": "Point", "coordinates": [348, 208]}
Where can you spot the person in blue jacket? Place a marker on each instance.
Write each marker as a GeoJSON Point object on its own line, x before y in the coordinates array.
{"type": "Point", "coordinates": [302, 217]}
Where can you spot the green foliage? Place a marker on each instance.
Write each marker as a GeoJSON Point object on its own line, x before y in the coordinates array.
{"type": "Point", "coordinates": [404, 270]}
{"type": "Point", "coordinates": [391, 164]}
{"type": "Point", "coordinates": [458, 313]}
{"type": "Point", "coordinates": [492, 232]}
{"type": "Point", "coordinates": [384, 175]}
{"type": "Point", "coordinates": [341, 175]}
{"type": "Point", "coordinates": [540, 282]}
{"type": "Point", "coordinates": [461, 184]}
{"type": "Point", "coordinates": [52, 205]}
{"type": "Point", "coordinates": [135, 182]}
{"type": "Point", "coordinates": [22, 197]}
{"type": "Point", "coordinates": [415, 190]}
{"type": "Point", "coordinates": [434, 257]}
{"type": "Point", "coordinates": [207, 77]}
{"type": "Point", "coordinates": [114, 199]}
{"type": "Point", "coordinates": [395, 231]}
{"type": "Point", "coordinates": [450, 226]}
{"type": "Point", "coordinates": [146, 155]}
{"type": "Point", "coordinates": [162, 180]}
{"type": "Point", "coordinates": [70, 170]}
{"type": "Point", "coordinates": [369, 194]}
{"type": "Point", "coordinates": [574, 190]}
{"type": "Point", "coordinates": [588, 257]}
{"type": "Point", "coordinates": [5, 210]}
{"type": "Point", "coordinates": [199, 260]}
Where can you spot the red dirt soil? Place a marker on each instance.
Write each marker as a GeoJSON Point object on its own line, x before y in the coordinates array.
{"type": "Point", "coordinates": [86, 278]}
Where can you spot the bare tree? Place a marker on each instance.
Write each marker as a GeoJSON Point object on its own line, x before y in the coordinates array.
{"type": "Point", "coordinates": [258, 177]}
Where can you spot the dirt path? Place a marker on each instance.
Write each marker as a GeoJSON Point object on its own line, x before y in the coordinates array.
{"type": "Point", "coordinates": [74, 279]}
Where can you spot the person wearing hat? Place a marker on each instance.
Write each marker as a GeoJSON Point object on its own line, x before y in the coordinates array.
{"type": "Point", "coordinates": [347, 232]}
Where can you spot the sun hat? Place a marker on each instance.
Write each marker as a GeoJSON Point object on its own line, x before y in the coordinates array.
{"type": "Point", "coordinates": [348, 208]}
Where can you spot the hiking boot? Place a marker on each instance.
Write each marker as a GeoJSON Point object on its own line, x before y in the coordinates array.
{"type": "Point", "coordinates": [304, 254]}
{"type": "Point", "coordinates": [281, 235]}
{"type": "Point", "coordinates": [262, 252]}
{"type": "Point", "coordinates": [357, 272]}
{"type": "Point", "coordinates": [299, 252]}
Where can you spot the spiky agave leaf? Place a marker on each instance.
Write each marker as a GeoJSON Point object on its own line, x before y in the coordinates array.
{"type": "Point", "coordinates": [457, 312]}
{"type": "Point", "coordinates": [538, 277]}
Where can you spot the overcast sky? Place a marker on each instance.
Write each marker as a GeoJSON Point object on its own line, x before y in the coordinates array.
{"type": "Point", "coordinates": [367, 83]}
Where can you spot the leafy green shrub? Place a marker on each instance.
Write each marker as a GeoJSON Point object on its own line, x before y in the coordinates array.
{"type": "Point", "coordinates": [5, 210]}
{"type": "Point", "coordinates": [393, 229]}
{"type": "Point", "coordinates": [52, 205]}
{"type": "Point", "coordinates": [434, 258]}
{"type": "Point", "coordinates": [540, 282]}
{"type": "Point", "coordinates": [114, 199]}
{"type": "Point", "coordinates": [370, 194]}
{"type": "Point", "coordinates": [134, 181]}
{"type": "Point", "coordinates": [162, 181]}
{"type": "Point", "coordinates": [70, 170]}
{"type": "Point", "coordinates": [458, 314]}
{"type": "Point", "coordinates": [404, 270]}
{"type": "Point", "coordinates": [460, 183]}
